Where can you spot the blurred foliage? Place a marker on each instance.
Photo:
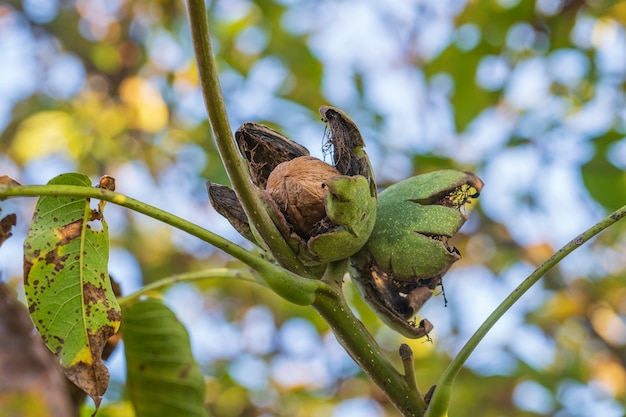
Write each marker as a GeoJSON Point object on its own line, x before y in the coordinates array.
{"type": "Point", "coordinates": [528, 94]}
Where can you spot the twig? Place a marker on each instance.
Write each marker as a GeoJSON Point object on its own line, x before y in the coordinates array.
{"type": "Point", "coordinates": [439, 403]}
{"type": "Point", "coordinates": [288, 285]}
{"type": "Point", "coordinates": [213, 273]}
{"type": "Point", "coordinates": [406, 354]}
{"type": "Point", "coordinates": [362, 347]}
{"type": "Point", "coordinates": [234, 164]}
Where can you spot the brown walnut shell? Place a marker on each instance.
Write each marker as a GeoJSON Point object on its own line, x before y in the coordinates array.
{"type": "Point", "coordinates": [297, 187]}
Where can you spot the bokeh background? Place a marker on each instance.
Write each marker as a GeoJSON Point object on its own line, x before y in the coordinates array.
{"type": "Point", "coordinates": [527, 94]}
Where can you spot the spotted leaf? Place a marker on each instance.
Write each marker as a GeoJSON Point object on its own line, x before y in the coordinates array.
{"type": "Point", "coordinates": [67, 284]}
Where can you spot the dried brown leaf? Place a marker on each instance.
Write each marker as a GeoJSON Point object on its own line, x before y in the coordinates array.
{"type": "Point", "coordinates": [6, 224]}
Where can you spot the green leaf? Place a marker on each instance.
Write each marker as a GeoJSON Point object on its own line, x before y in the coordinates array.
{"type": "Point", "coordinates": [67, 284]}
{"type": "Point", "coordinates": [605, 182]}
{"type": "Point", "coordinates": [163, 379]}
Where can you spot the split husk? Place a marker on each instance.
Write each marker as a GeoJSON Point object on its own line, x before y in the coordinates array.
{"type": "Point", "coordinates": [325, 213]}
{"type": "Point", "coordinates": [409, 251]}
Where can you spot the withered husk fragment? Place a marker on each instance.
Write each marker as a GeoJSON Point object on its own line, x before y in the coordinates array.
{"type": "Point", "coordinates": [225, 202]}
{"type": "Point", "coordinates": [347, 145]}
{"type": "Point", "coordinates": [6, 224]}
{"type": "Point", "coordinates": [107, 182]}
{"type": "Point", "coordinates": [265, 148]}
{"type": "Point", "coordinates": [395, 303]}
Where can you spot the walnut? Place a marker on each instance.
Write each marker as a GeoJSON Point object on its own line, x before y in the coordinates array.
{"type": "Point", "coordinates": [324, 213]}
{"type": "Point", "coordinates": [297, 187]}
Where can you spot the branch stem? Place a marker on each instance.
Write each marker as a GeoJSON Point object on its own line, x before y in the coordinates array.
{"type": "Point", "coordinates": [439, 403]}
{"type": "Point", "coordinates": [232, 160]}
{"type": "Point", "coordinates": [288, 285]}
{"type": "Point", "coordinates": [406, 354]}
{"type": "Point", "coordinates": [213, 273]}
{"type": "Point", "coordinates": [361, 346]}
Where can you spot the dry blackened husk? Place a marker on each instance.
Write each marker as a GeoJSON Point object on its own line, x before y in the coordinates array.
{"type": "Point", "coordinates": [264, 148]}
{"type": "Point", "coordinates": [225, 202]}
{"type": "Point", "coordinates": [345, 139]}
{"type": "Point", "coordinates": [403, 297]}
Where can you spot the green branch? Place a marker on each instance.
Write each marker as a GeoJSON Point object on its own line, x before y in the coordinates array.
{"type": "Point", "coordinates": [292, 287]}
{"type": "Point", "coordinates": [439, 403]}
{"type": "Point", "coordinates": [213, 273]}
{"type": "Point", "coordinates": [234, 164]}
{"type": "Point", "coordinates": [361, 346]}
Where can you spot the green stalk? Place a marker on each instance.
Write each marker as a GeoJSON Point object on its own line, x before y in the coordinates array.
{"type": "Point", "coordinates": [439, 403]}
{"type": "Point", "coordinates": [361, 346]}
{"type": "Point", "coordinates": [234, 164]}
{"type": "Point", "coordinates": [213, 273]}
{"type": "Point", "coordinates": [288, 285]}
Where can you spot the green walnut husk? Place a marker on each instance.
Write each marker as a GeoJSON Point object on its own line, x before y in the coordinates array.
{"type": "Point", "coordinates": [416, 218]}
{"type": "Point", "coordinates": [408, 251]}
{"type": "Point", "coordinates": [325, 213]}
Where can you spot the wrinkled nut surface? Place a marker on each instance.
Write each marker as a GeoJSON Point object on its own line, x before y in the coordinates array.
{"type": "Point", "coordinates": [297, 187]}
{"type": "Point", "coordinates": [352, 214]}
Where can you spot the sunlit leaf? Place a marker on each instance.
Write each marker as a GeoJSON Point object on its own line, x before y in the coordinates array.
{"type": "Point", "coordinates": [163, 378]}
{"type": "Point", "coordinates": [149, 111]}
{"type": "Point", "coordinates": [45, 133]}
{"type": "Point", "coordinates": [604, 181]}
{"type": "Point", "coordinates": [67, 284]}
{"type": "Point", "coordinates": [116, 409]}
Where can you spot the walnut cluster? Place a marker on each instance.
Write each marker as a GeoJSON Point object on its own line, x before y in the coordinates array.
{"type": "Point", "coordinates": [324, 212]}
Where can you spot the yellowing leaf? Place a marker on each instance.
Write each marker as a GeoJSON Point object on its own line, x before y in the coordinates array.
{"type": "Point", "coordinates": [163, 379]}
{"type": "Point", "coordinates": [610, 373]}
{"type": "Point", "coordinates": [44, 133]}
{"type": "Point", "coordinates": [116, 409]}
{"type": "Point", "coordinates": [149, 109]}
{"type": "Point", "coordinates": [562, 306]}
{"type": "Point", "coordinates": [67, 284]}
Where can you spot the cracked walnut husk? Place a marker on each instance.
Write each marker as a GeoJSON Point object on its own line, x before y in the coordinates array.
{"type": "Point", "coordinates": [409, 250]}
{"type": "Point", "coordinates": [324, 212]}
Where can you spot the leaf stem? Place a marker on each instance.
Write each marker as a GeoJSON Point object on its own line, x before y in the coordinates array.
{"type": "Point", "coordinates": [439, 403]}
{"type": "Point", "coordinates": [234, 164]}
{"type": "Point", "coordinates": [213, 273]}
{"type": "Point", "coordinates": [288, 285]}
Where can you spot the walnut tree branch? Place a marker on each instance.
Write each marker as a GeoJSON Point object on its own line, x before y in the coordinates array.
{"type": "Point", "coordinates": [438, 406]}
{"type": "Point", "coordinates": [234, 164]}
